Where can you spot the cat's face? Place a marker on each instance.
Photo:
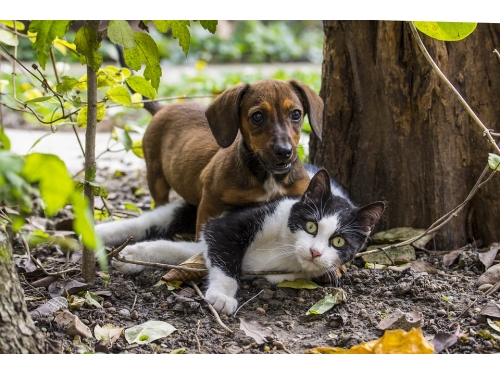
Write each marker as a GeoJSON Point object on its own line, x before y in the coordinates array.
{"type": "Point", "coordinates": [327, 229]}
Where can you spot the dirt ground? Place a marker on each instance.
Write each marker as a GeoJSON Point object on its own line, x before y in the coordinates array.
{"type": "Point", "coordinates": [440, 300]}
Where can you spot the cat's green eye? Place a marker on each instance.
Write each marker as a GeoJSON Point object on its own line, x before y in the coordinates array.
{"type": "Point", "coordinates": [338, 241]}
{"type": "Point", "coordinates": [311, 227]}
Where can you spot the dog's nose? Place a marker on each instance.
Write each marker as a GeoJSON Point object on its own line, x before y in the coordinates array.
{"type": "Point", "coordinates": [283, 151]}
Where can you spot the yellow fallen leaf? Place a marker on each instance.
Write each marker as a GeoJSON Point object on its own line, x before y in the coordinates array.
{"type": "Point", "coordinates": [397, 341]}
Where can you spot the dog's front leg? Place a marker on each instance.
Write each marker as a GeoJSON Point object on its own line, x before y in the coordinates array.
{"type": "Point", "coordinates": [206, 210]}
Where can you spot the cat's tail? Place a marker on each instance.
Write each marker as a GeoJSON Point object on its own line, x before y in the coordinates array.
{"type": "Point", "coordinates": [161, 223]}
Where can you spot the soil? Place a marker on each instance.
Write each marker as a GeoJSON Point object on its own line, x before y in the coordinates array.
{"type": "Point", "coordinates": [443, 298]}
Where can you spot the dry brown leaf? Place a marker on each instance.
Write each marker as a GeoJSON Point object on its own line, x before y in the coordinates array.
{"type": "Point", "coordinates": [196, 261]}
{"type": "Point", "coordinates": [107, 333]}
{"type": "Point", "coordinates": [74, 326]}
{"type": "Point", "coordinates": [491, 309]}
{"type": "Point", "coordinates": [50, 307]}
{"type": "Point", "coordinates": [417, 266]}
{"type": "Point", "coordinates": [443, 340]}
{"type": "Point", "coordinates": [392, 342]}
{"type": "Point", "coordinates": [401, 234]}
{"type": "Point", "coordinates": [489, 256]}
{"type": "Point", "coordinates": [450, 258]}
{"type": "Point", "coordinates": [258, 331]}
{"type": "Point", "coordinates": [401, 320]}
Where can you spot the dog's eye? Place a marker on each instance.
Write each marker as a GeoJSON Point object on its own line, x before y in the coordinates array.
{"type": "Point", "coordinates": [257, 117]}
{"type": "Point", "coordinates": [296, 115]}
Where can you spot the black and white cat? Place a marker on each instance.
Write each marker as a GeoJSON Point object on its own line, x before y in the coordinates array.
{"type": "Point", "coordinates": [304, 237]}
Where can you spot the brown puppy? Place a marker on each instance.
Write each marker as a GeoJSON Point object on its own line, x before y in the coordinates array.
{"type": "Point", "coordinates": [240, 150]}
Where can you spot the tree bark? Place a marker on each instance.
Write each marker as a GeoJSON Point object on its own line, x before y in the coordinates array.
{"type": "Point", "coordinates": [18, 333]}
{"type": "Point", "coordinates": [394, 131]}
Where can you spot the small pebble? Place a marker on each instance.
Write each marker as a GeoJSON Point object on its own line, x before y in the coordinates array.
{"type": "Point", "coordinates": [363, 312]}
{"type": "Point", "coordinates": [245, 286]}
{"type": "Point", "coordinates": [260, 310]}
{"type": "Point", "coordinates": [134, 315]}
{"type": "Point", "coordinates": [267, 348]}
{"type": "Point", "coordinates": [300, 299]}
{"type": "Point", "coordinates": [453, 279]}
{"type": "Point", "coordinates": [441, 312]}
{"type": "Point", "coordinates": [107, 304]}
{"type": "Point", "coordinates": [485, 287]}
{"type": "Point", "coordinates": [488, 344]}
{"type": "Point", "coordinates": [388, 294]}
{"type": "Point", "coordinates": [279, 324]}
{"type": "Point", "coordinates": [111, 309]}
{"type": "Point", "coordinates": [124, 312]}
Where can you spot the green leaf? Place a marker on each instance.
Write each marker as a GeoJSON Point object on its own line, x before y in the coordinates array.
{"type": "Point", "coordinates": [54, 181]}
{"type": "Point", "coordinates": [46, 32]}
{"type": "Point", "coordinates": [88, 46]}
{"type": "Point", "coordinates": [120, 95]}
{"type": "Point", "coordinates": [299, 284]}
{"type": "Point", "coordinates": [148, 332]}
{"type": "Point", "coordinates": [81, 119]}
{"type": "Point", "coordinates": [145, 52]}
{"type": "Point", "coordinates": [137, 149]}
{"type": "Point", "coordinates": [132, 207]}
{"type": "Point", "coordinates": [19, 25]}
{"type": "Point", "coordinates": [494, 161]}
{"type": "Point", "coordinates": [446, 31]}
{"type": "Point", "coordinates": [493, 324]}
{"type": "Point", "coordinates": [120, 32]}
{"type": "Point", "coordinates": [83, 224]}
{"type": "Point", "coordinates": [6, 37]}
{"type": "Point", "coordinates": [142, 86]}
{"type": "Point", "coordinates": [4, 140]}
{"type": "Point", "coordinates": [322, 305]}
{"type": "Point", "coordinates": [124, 137]}
{"type": "Point", "coordinates": [180, 31]}
{"type": "Point", "coordinates": [66, 85]}
{"type": "Point", "coordinates": [209, 25]}
{"type": "Point", "coordinates": [39, 99]}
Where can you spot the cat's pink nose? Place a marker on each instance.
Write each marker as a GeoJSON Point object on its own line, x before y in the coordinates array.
{"type": "Point", "coordinates": [315, 253]}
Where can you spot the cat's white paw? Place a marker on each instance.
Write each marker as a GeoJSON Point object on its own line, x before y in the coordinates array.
{"type": "Point", "coordinates": [132, 252]}
{"type": "Point", "coordinates": [221, 302]}
{"type": "Point", "coordinates": [112, 233]}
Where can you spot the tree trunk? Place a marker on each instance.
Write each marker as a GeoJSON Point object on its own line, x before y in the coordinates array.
{"type": "Point", "coordinates": [394, 131]}
{"type": "Point", "coordinates": [18, 334]}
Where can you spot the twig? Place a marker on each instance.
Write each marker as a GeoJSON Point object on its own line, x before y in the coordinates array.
{"type": "Point", "coordinates": [116, 251]}
{"type": "Point", "coordinates": [166, 99]}
{"type": "Point", "coordinates": [490, 291]}
{"type": "Point", "coordinates": [160, 265]}
{"type": "Point", "coordinates": [198, 291]}
{"type": "Point", "coordinates": [58, 274]}
{"type": "Point", "coordinates": [448, 83]}
{"type": "Point", "coordinates": [238, 309]}
{"type": "Point", "coordinates": [135, 300]}
{"type": "Point", "coordinates": [196, 336]}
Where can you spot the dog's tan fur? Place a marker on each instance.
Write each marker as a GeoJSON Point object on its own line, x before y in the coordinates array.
{"type": "Point", "coordinates": [218, 158]}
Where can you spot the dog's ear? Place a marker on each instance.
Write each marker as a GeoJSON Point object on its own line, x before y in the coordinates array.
{"type": "Point", "coordinates": [313, 104]}
{"type": "Point", "coordinates": [223, 114]}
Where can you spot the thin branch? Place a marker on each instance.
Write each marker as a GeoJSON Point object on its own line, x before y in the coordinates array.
{"type": "Point", "coordinates": [448, 83]}
{"type": "Point", "coordinates": [217, 317]}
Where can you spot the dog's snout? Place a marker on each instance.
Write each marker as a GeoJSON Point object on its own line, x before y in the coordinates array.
{"type": "Point", "coordinates": [283, 151]}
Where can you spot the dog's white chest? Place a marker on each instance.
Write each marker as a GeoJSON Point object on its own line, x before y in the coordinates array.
{"type": "Point", "coordinates": [272, 190]}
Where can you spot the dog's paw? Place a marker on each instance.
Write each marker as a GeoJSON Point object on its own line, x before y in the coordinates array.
{"type": "Point", "coordinates": [132, 252]}
{"type": "Point", "coordinates": [221, 302]}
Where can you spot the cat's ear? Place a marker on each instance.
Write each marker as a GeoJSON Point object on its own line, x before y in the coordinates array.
{"type": "Point", "coordinates": [368, 216]}
{"type": "Point", "coordinates": [319, 189]}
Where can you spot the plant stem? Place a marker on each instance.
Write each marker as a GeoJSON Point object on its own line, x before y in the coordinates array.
{"type": "Point", "coordinates": [88, 260]}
